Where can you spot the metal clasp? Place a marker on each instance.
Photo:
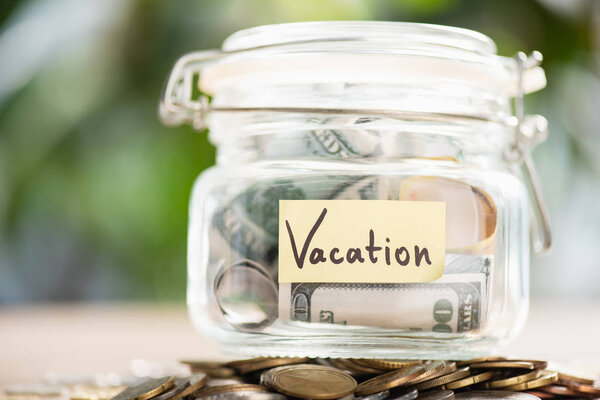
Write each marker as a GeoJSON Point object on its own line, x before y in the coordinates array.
{"type": "Point", "coordinates": [177, 105]}
{"type": "Point", "coordinates": [531, 130]}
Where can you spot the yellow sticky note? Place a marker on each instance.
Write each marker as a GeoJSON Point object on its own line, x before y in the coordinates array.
{"type": "Point", "coordinates": [354, 241]}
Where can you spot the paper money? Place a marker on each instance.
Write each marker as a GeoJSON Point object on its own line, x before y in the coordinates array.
{"type": "Point", "coordinates": [455, 303]}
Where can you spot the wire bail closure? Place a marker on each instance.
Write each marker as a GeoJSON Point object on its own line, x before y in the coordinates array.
{"type": "Point", "coordinates": [530, 130]}
{"type": "Point", "coordinates": [177, 105]}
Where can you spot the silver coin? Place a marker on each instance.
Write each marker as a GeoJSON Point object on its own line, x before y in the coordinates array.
{"type": "Point", "coordinates": [436, 395]}
{"type": "Point", "coordinates": [494, 394]}
{"type": "Point", "coordinates": [247, 296]}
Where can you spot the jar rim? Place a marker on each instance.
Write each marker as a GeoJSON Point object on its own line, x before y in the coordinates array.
{"type": "Point", "coordinates": [366, 31]}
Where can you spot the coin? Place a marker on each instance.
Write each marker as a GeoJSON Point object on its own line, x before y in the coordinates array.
{"type": "Point", "coordinates": [387, 364]}
{"type": "Point", "coordinates": [180, 385]}
{"type": "Point", "coordinates": [444, 379]}
{"type": "Point", "coordinates": [243, 286]}
{"type": "Point", "coordinates": [540, 394]}
{"type": "Point", "coordinates": [216, 390]}
{"type": "Point", "coordinates": [493, 395]}
{"type": "Point", "coordinates": [390, 380]}
{"type": "Point", "coordinates": [404, 394]}
{"type": "Point", "coordinates": [436, 395]}
{"type": "Point", "coordinates": [213, 369]}
{"type": "Point", "coordinates": [224, 381]}
{"type": "Point", "coordinates": [197, 381]}
{"type": "Point", "coordinates": [338, 364]}
{"type": "Point", "coordinates": [309, 381]}
{"type": "Point", "coordinates": [201, 364]}
{"type": "Point", "coordinates": [516, 364]}
{"type": "Point", "coordinates": [559, 391]}
{"type": "Point", "coordinates": [465, 363]}
{"type": "Point", "coordinates": [470, 380]}
{"type": "Point", "coordinates": [566, 378]}
{"type": "Point", "coordinates": [243, 395]}
{"type": "Point", "coordinates": [546, 378]}
{"type": "Point", "coordinates": [433, 370]}
{"type": "Point", "coordinates": [258, 364]}
{"type": "Point", "coordinates": [147, 389]}
{"type": "Point", "coordinates": [357, 367]}
{"type": "Point", "coordinates": [586, 389]}
{"type": "Point", "coordinates": [513, 380]}
{"type": "Point", "coordinates": [375, 396]}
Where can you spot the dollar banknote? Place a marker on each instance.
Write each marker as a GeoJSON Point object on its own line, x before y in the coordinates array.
{"type": "Point", "coordinates": [455, 303]}
{"type": "Point", "coordinates": [247, 227]}
{"type": "Point", "coordinates": [335, 137]}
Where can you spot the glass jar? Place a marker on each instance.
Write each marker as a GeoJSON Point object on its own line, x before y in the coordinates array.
{"type": "Point", "coordinates": [372, 191]}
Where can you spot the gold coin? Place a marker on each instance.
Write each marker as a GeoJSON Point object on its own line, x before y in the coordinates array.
{"type": "Point", "coordinates": [513, 380]}
{"type": "Point", "coordinates": [465, 363]}
{"type": "Point", "coordinates": [515, 364]}
{"type": "Point", "coordinates": [387, 364]}
{"type": "Point", "coordinates": [539, 394]}
{"type": "Point", "coordinates": [180, 385]}
{"type": "Point", "coordinates": [197, 382]}
{"type": "Point", "coordinates": [245, 387]}
{"type": "Point", "coordinates": [583, 388]}
{"type": "Point", "coordinates": [258, 364]}
{"type": "Point", "coordinates": [202, 364]}
{"type": "Point", "coordinates": [357, 367]}
{"type": "Point", "coordinates": [309, 381]}
{"type": "Point", "coordinates": [560, 391]}
{"type": "Point", "coordinates": [354, 368]}
{"type": "Point", "coordinates": [470, 380]}
{"type": "Point", "coordinates": [214, 369]}
{"type": "Point", "coordinates": [566, 378]}
{"type": "Point", "coordinates": [434, 369]}
{"type": "Point", "coordinates": [389, 380]}
{"type": "Point", "coordinates": [146, 389]}
{"type": "Point", "coordinates": [444, 379]}
{"type": "Point", "coordinates": [546, 378]}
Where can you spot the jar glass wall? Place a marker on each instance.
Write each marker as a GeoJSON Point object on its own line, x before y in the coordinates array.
{"type": "Point", "coordinates": [291, 128]}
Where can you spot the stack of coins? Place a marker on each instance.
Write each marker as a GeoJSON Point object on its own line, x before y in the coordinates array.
{"type": "Point", "coordinates": [274, 378]}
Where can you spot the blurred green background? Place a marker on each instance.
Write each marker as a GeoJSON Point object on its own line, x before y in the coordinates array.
{"type": "Point", "coordinates": [94, 191]}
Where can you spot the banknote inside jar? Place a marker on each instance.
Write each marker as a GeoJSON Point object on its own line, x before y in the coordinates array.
{"type": "Point", "coordinates": [245, 230]}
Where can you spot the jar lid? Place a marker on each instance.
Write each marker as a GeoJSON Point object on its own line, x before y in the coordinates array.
{"type": "Point", "coordinates": [350, 65]}
{"type": "Point", "coordinates": [364, 52]}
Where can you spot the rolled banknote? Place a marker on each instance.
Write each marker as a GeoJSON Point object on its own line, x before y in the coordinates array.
{"type": "Point", "coordinates": [455, 303]}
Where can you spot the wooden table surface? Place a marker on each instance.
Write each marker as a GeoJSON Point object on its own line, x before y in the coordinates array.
{"type": "Point", "coordinates": [81, 339]}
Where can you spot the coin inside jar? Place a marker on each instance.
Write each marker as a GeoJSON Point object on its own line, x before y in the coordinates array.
{"type": "Point", "coordinates": [309, 381]}
{"type": "Point", "coordinates": [246, 295]}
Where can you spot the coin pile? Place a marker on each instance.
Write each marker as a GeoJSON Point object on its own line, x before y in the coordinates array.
{"type": "Point", "coordinates": [338, 378]}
